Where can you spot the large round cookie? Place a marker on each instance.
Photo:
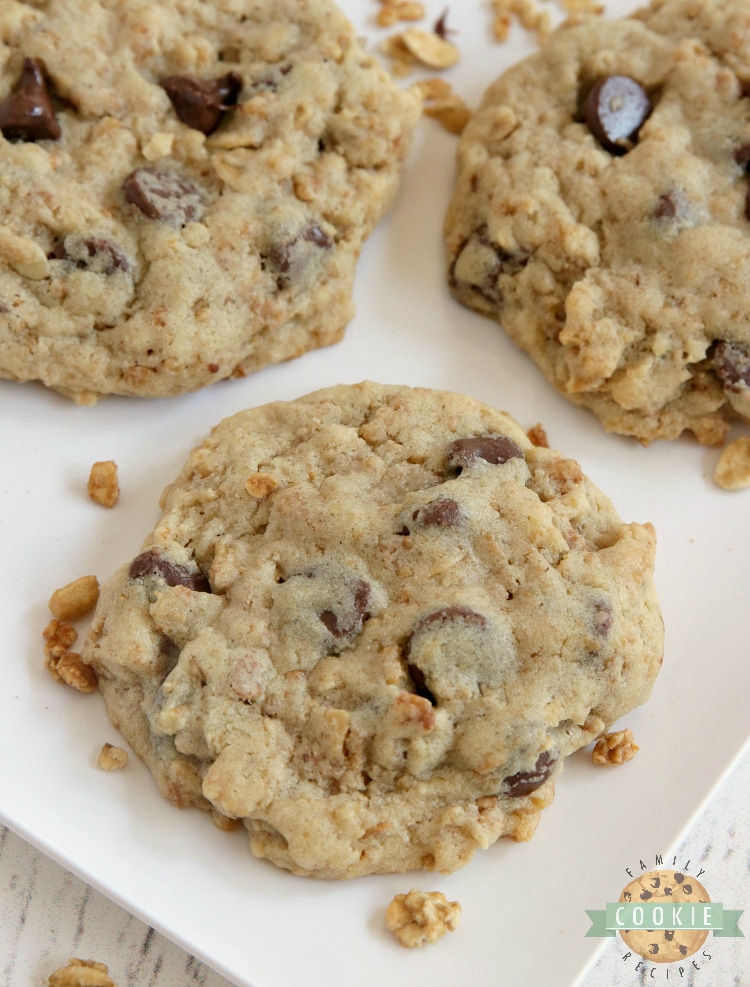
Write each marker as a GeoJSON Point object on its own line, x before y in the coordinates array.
{"type": "Point", "coordinates": [185, 186]}
{"type": "Point", "coordinates": [371, 624]}
{"type": "Point", "coordinates": [601, 215]}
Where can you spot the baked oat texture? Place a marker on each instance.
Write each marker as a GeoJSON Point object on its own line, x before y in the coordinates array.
{"type": "Point", "coordinates": [379, 657]}
{"type": "Point", "coordinates": [144, 255]}
{"type": "Point", "coordinates": [624, 273]}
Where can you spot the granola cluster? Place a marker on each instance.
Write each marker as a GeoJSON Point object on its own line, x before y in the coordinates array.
{"type": "Point", "coordinates": [421, 916]}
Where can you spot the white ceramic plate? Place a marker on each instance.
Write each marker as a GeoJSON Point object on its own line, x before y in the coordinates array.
{"type": "Point", "coordinates": [524, 905]}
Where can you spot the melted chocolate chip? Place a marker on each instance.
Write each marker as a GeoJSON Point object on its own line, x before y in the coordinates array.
{"type": "Point", "coordinates": [92, 254]}
{"type": "Point", "coordinates": [525, 782]}
{"type": "Point", "coordinates": [615, 111]}
{"type": "Point", "coordinates": [27, 113]}
{"type": "Point", "coordinates": [441, 513]}
{"type": "Point", "coordinates": [732, 365]}
{"type": "Point", "coordinates": [200, 103]}
{"type": "Point", "coordinates": [494, 449]}
{"type": "Point", "coordinates": [164, 195]}
{"type": "Point", "coordinates": [288, 259]}
{"type": "Point", "coordinates": [153, 563]}
{"type": "Point", "coordinates": [342, 626]}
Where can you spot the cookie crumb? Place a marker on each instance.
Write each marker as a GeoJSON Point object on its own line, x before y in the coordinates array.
{"type": "Point", "coordinates": [103, 487]}
{"type": "Point", "coordinates": [81, 973]}
{"type": "Point", "coordinates": [615, 748]}
{"type": "Point", "coordinates": [538, 436]}
{"type": "Point", "coordinates": [733, 468]}
{"type": "Point", "coordinates": [75, 599]}
{"type": "Point", "coordinates": [112, 758]}
{"type": "Point", "coordinates": [443, 104]}
{"type": "Point", "coordinates": [58, 638]}
{"type": "Point", "coordinates": [70, 669]}
{"type": "Point", "coordinates": [421, 916]}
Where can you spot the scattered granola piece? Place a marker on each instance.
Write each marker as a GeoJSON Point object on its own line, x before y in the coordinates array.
{"type": "Point", "coordinates": [429, 48]}
{"type": "Point", "coordinates": [526, 12]}
{"type": "Point", "coordinates": [58, 638]}
{"type": "Point", "coordinates": [421, 916]}
{"type": "Point", "coordinates": [81, 973]}
{"type": "Point", "coordinates": [538, 436]}
{"type": "Point", "coordinates": [103, 487]}
{"type": "Point", "coordinates": [70, 669]}
{"type": "Point", "coordinates": [733, 468]}
{"type": "Point", "coordinates": [75, 599]}
{"type": "Point", "coordinates": [392, 11]}
{"type": "Point", "coordinates": [442, 103]}
{"type": "Point", "coordinates": [615, 748]}
{"type": "Point", "coordinates": [112, 758]}
{"type": "Point", "coordinates": [260, 485]}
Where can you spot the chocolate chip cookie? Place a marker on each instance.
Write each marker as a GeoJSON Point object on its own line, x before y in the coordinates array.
{"type": "Point", "coordinates": [602, 216]}
{"type": "Point", "coordinates": [185, 187]}
{"type": "Point", "coordinates": [371, 624]}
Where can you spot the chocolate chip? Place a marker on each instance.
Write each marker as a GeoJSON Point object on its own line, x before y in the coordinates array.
{"type": "Point", "coordinates": [451, 613]}
{"type": "Point", "coordinates": [419, 682]}
{"type": "Point", "coordinates": [27, 114]}
{"type": "Point", "coordinates": [679, 878]}
{"type": "Point", "coordinates": [288, 259]}
{"type": "Point", "coordinates": [602, 618]}
{"type": "Point", "coordinates": [615, 110]}
{"type": "Point", "coordinates": [479, 263]}
{"type": "Point", "coordinates": [343, 625]}
{"type": "Point", "coordinates": [200, 103]}
{"type": "Point", "coordinates": [164, 195]}
{"type": "Point", "coordinates": [441, 513]}
{"type": "Point", "coordinates": [494, 449]}
{"type": "Point", "coordinates": [525, 782]}
{"type": "Point", "coordinates": [92, 254]}
{"type": "Point", "coordinates": [666, 207]}
{"type": "Point", "coordinates": [153, 563]}
{"type": "Point", "coordinates": [441, 27]}
{"type": "Point", "coordinates": [742, 156]}
{"type": "Point", "coordinates": [732, 365]}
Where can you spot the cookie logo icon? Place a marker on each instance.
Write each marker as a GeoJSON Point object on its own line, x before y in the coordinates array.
{"type": "Point", "coordinates": [664, 888]}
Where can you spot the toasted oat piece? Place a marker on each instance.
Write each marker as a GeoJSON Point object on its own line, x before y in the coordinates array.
{"type": "Point", "coordinates": [421, 916]}
{"type": "Point", "coordinates": [81, 973]}
{"type": "Point", "coordinates": [75, 599]}
{"type": "Point", "coordinates": [103, 487]}
{"type": "Point", "coordinates": [733, 468]}
{"type": "Point", "coordinates": [428, 48]}
{"type": "Point", "coordinates": [393, 11]}
{"type": "Point", "coordinates": [528, 14]}
{"type": "Point", "coordinates": [615, 748]}
{"type": "Point", "coordinates": [112, 758]}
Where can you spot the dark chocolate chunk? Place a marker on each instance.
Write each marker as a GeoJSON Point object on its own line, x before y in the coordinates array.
{"type": "Point", "coordinates": [27, 113]}
{"type": "Point", "coordinates": [732, 364]}
{"type": "Point", "coordinates": [615, 111]}
{"type": "Point", "coordinates": [288, 259]}
{"type": "Point", "coordinates": [164, 195]}
{"type": "Point", "coordinates": [200, 103]}
{"type": "Point", "coordinates": [441, 513]}
{"type": "Point", "coordinates": [494, 449]}
{"type": "Point", "coordinates": [93, 253]}
{"type": "Point", "coordinates": [153, 563]}
{"type": "Point", "coordinates": [343, 625]}
{"type": "Point", "coordinates": [525, 782]}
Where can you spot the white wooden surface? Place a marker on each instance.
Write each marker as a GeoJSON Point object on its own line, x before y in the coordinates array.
{"type": "Point", "coordinates": [47, 915]}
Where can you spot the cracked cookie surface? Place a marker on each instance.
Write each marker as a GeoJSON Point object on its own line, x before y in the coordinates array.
{"type": "Point", "coordinates": [371, 624]}
{"type": "Point", "coordinates": [186, 187]}
{"type": "Point", "coordinates": [602, 216]}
